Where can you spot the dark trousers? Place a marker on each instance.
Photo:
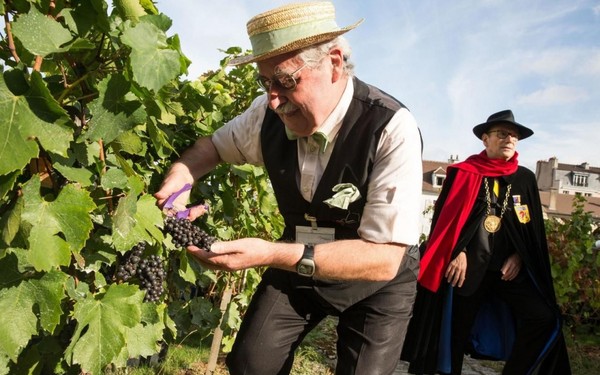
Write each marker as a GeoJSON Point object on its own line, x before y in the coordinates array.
{"type": "Point", "coordinates": [536, 321]}
{"type": "Point", "coordinates": [370, 332]}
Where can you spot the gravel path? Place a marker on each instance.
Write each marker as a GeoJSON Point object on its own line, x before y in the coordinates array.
{"type": "Point", "coordinates": [470, 367]}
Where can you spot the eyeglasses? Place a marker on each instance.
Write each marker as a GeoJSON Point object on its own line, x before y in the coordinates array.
{"type": "Point", "coordinates": [285, 81]}
{"type": "Point", "coordinates": [502, 134]}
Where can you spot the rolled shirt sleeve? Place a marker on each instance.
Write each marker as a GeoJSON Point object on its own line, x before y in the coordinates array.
{"type": "Point", "coordinates": [392, 213]}
{"type": "Point", "coordinates": [238, 141]}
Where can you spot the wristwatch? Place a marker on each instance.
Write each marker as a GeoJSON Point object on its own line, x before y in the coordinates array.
{"type": "Point", "coordinates": [306, 265]}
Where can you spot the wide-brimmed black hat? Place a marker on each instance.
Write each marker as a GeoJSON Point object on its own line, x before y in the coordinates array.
{"type": "Point", "coordinates": [502, 117]}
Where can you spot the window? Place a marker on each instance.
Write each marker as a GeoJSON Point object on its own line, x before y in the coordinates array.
{"type": "Point", "coordinates": [580, 179]}
{"type": "Point", "coordinates": [439, 180]}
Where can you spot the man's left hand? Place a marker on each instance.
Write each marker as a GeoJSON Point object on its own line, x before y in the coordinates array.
{"type": "Point", "coordinates": [511, 267]}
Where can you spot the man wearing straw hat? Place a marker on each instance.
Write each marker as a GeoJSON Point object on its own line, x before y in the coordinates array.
{"type": "Point", "coordinates": [344, 159]}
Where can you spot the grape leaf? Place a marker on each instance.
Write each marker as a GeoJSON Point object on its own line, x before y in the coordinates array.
{"type": "Point", "coordinates": [47, 251]}
{"type": "Point", "coordinates": [159, 139]}
{"type": "Point", "coordinates": [47, 120]}
{"type": "Point", "coordinates": [149, 218]}
{"type": "Point", "coordinates": [28, 113]}
{"type": "Point", "coordinates": [48, 292]}
{"type": "Point", "coordinates": [137, 221]}
{"type": "Point", "coordinates": [130, 143]}
{"type": "Point", "coordinates": [7, 182]}
{"type": "Point", "coordinates": [15, 150]}
{"type": "Point", "coordinates": [123, 222]}
{"type": "Point", "coordinates": [114, 178]}
{"type": "Point", "coordinates": [153, 62]}
{"type": "Point", "coordinates": [83, 176]}
{"type": "Point", "coordinates": [142, 340]}
{"type": "Point", "coordinates": [4, 360]}
{"type": "Point", "coordinates": [9, 223]}
{"type": "Point", "coordinates": [39, 34]}
{"type": "Point", "coordinates": [102, 323]}
{"type": "Point", "coordinates": [112, 112]}
{"type": "Point", "coordinates": [18, 322]}
{"type": "Point", "coordinates": [204, 313]}
{"type": "Point", "coordinates": [10, 276]}
{"type": "Point", "coordinates": [68, 215]}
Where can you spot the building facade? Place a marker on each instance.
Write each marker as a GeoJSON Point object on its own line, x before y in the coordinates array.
{"type": "Point", "coordinates": [558, 184]}
{"type": "Point", "coordinates": [569, 179]}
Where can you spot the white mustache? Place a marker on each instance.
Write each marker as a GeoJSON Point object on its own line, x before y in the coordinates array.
{"type": "Point", "coordinates": [285, 108]}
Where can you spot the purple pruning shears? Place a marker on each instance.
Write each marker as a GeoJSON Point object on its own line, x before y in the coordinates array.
{"type": "Point", "coordinates": [169, 203]}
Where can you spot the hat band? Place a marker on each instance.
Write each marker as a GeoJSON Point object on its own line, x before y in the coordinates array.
{"type": "Point", "coordinates": [271, 40]}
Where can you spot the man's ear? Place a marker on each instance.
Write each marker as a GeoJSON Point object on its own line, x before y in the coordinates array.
{"type": "Point", "coordinates": [484, 138]}
{"type": "Point", "coordinates": [336, 58]}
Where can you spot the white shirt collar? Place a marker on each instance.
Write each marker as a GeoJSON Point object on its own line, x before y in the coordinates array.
{"type": "Point", "coordinates": [333, 122]}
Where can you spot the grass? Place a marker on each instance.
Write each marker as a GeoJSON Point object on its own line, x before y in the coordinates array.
{"type": "Point", "coordinates": [316, 356]}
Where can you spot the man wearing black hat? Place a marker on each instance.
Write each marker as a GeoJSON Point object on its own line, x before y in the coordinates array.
{"type": "Point", "coordinates": [485, 286]}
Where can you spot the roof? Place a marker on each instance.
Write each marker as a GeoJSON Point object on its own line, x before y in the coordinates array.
{"type": "Point", "coordinates": [577, 168]}
{"type": "Point", "coordinates": [564, 205]}
{"type": "Point", "coordinates": [429, 167]}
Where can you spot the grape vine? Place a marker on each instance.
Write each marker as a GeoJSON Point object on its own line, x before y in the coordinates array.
{"type": "Point", "coordinates": [94, 109]}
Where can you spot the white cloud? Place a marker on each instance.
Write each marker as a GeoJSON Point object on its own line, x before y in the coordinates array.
{"type": "Point", "coordinates": [590, 65]}
{"type": "Point", "coordinates": [554, 95]}
{"type": "Point", "coordinates": [452, 63]}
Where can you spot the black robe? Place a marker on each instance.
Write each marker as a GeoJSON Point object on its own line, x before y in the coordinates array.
{"type": "Point", "coordinates": [426, 347]}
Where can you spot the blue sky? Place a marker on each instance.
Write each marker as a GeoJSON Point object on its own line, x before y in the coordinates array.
{"type": "Point", "coordinates": [452, 63]}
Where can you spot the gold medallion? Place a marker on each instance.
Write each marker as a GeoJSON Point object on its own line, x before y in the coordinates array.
{"type": "Point", "coordinates": [491, 223]}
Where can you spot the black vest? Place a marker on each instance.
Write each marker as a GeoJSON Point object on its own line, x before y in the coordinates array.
{"type": "Point", "coordinates": [351, 162]}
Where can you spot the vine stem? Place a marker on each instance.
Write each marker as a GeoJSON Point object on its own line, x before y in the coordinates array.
{"type": "Point", "coordinates": [215, 346]}
{"type": "Point", "coordinates": [103, 159]}
{"type": "Point", "coordinates": [39, 59]}
{"type": "Point", "coordinates": [11, 41]}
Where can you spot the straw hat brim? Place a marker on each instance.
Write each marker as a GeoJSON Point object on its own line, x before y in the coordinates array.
{"type": "Point", "coordinates": [294, 46]}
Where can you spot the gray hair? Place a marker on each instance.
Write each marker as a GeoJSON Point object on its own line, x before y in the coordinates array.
{"type": "Point", "coordinates": [313, 54]}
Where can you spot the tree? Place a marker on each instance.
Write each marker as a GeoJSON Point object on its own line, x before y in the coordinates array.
{"type": "Point", "coordinates": [93, 111]}
{"type": "Point", "coordinates": [576, 267]}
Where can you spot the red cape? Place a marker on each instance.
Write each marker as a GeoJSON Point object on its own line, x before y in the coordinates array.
{"type": "Point", "coordinates": [455, 212]}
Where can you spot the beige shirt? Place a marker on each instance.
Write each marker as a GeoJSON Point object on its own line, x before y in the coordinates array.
{"type": "Point", "coordinates": [393, 209]}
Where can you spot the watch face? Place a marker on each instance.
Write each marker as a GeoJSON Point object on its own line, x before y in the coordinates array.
{"type": "Point", "coordinates": [306, 267]}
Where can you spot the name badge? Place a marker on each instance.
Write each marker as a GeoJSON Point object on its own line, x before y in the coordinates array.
{"type": "Point", "coordinates": [314, 235]}
{"type": "Point", "coordinates": [522, 213]}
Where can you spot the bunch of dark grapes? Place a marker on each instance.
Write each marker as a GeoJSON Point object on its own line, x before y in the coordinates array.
{"type": "Point", "coordinates": [148, 271]}
{"type": "Point", "coordinates": [185, 233]}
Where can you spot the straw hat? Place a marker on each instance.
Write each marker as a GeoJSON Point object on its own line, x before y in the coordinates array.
{"type": "Point", "coordinates": [502, 117]}
{"type": "Point", "coordinates": [289, 28]}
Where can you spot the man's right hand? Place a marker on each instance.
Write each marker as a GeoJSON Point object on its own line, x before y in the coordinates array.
{"type": "Point", "coordinates": [457, 270]}
{"type": "Point", "coordinates": [176, 179]}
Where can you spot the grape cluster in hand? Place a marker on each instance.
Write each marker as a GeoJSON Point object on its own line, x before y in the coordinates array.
{"type": "Point", "coordinates": [185, 233]}
{"type": "Point", "coordinates": [148, 271]}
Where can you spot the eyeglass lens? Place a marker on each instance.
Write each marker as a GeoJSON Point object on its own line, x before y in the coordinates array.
{"type": "Point", "coordinates": [502, 134]}
{"type": "Point", "coordinates": [283, 80]}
